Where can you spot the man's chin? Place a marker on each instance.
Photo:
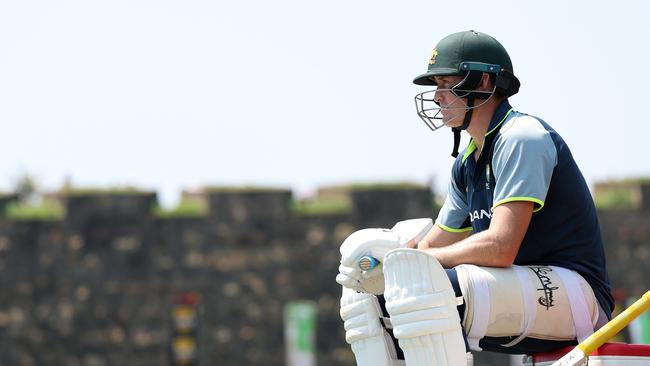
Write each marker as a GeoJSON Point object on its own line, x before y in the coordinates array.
{"type": "Point", "coordinates": [452, 123]}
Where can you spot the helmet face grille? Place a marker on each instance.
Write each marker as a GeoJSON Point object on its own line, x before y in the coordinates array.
{"type": "Point", "coordinates": [430, 111]}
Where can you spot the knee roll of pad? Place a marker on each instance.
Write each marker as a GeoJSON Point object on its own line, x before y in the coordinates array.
{"type": "Point", "coordinates": [544, 302]}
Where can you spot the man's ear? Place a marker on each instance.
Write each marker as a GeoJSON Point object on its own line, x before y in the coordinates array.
{"type": "Point", "coordinates": [485, 83]}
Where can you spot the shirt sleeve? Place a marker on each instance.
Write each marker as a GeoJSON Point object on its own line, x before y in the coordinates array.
{"type": "Point", "coordinates": [454, 214]}
{"type": "Point", "coordinates": [523, 162]}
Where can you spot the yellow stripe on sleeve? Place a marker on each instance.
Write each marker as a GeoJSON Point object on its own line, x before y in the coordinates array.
{"type": "Point", "coordinates": [452, 230]}
{"type": "Point", "coordinates": [538, 203]}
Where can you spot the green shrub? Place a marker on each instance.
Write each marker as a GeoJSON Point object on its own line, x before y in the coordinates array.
{"type": "Point", "coordinates": [616, 198]}
{"type": "Point", "coordinates": [44, 210]}
{"type": "Point", "coordinates": [322, 207]}
{"type": "Point", "coordinates": [185, 209]}
{"type": "Point", "coordinates": [383, 186]}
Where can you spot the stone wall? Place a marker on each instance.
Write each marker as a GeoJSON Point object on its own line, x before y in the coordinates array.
{"type": "Point", "coordinates": [5, 200]}
{"type": "Point", "coordinates": [96, 288]}
{"type": "Point", "coordinates": [627, 244]}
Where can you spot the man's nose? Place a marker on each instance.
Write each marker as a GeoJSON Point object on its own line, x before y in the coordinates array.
{"type": "Point", "coordinates": [437, 97]}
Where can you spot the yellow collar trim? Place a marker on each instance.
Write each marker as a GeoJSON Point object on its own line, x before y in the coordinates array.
{"type": "Point", "coordinates": [472, 146]}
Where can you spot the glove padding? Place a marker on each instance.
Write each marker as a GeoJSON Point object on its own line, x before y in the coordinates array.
{"type": "Point", "coordinates": [376, 243]}
{"type": "Point", "coordinates": [371, 242]}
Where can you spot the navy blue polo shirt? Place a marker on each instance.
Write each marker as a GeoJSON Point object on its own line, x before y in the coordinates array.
{"type": "Point", "coordinates": [524, 159]}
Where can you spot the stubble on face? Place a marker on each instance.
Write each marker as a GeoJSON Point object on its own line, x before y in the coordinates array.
{"type": "Point", "coordinates": [453, 108]}
{"type": "Point", "coordinates": [453, 113]}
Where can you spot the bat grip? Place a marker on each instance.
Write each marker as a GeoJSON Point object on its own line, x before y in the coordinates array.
{"type": "Point", "coordinates": [367, 263]}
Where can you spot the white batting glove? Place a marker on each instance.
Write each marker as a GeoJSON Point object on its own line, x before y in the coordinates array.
{"type": "Point", "coordinates": [366, 242]}
{"type": "Point", "coordinates": [376, 243]}
{"type": "Point", "coordinates": [350, 277]}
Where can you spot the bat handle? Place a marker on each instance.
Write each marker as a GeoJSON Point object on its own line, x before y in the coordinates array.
{"type": "Point", "coordinates": [367, 263]}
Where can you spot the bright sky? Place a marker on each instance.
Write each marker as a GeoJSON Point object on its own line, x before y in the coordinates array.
{"type": "Point", "coordinates": [169, 95]}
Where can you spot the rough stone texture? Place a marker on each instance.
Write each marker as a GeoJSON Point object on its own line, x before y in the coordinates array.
{"type": "Point", "coordinates": [96, 288]}
{"type": "Point", "coordinates": [645, 196]}
{"type": "Point", "coordinates": [394, 203]}
{"type": "Point", "coordinates": [627, 244]}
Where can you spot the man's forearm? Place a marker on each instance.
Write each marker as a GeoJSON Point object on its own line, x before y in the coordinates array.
{"type": "Point", "coordinates": [438, 238]}
{"type": "Point", "coordinates": [482, 249]}
{"type": "Point", "coordinates": [495, 247]}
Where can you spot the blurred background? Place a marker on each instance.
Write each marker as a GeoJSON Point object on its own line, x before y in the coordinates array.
{"type": "Point", "coordinates": [176, 177]}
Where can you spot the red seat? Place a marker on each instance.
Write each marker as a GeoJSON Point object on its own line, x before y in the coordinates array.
{"type": "Point", "coordinates": [636, 351]}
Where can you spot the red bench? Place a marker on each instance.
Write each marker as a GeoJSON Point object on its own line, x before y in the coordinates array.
{"type": "Point", "coordinates": [609, 354]}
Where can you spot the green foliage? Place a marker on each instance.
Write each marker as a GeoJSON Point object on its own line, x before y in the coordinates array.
{"type": "Point", "coordinates": [243, 189]}
{"type": "Point", "coordinates": [185, 209]}
{"type": "Point", "coordinates": [383, 186]}
{"type": "Point", "coordinates": [322, 207]}
{"type": "Point", "coordinates": [26, 187]}
{"type": "Point", "coordinates": [81, 191]}
{"type": "Point", "coordinates": [45, 210]}
{"type": "Point", "coordinates": [616, 198]}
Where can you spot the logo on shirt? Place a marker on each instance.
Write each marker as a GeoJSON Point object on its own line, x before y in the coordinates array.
{"type": "Point", "coordinates": [480, 215]}
{"type": "Point", "coordinates": [487, 177]}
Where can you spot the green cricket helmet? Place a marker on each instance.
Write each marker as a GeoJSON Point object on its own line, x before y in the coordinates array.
{"type": "Point", "coordinates": [461, 52]}
{"type": "Point", "coordinates": [469, 54]}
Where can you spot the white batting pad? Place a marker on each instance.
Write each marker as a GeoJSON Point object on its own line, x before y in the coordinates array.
{"type": "Point", "coordinates": [543, 302]}
{"type": "Point", "coordinates": [422, 307]}
{"type": "Point", "coordinates": [370, 343]}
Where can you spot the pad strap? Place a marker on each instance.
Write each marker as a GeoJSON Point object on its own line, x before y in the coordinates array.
{"type": "Point", "coordinates": [530, 310]}
{"type": "Point", "coordinates": [579, 310]}
{"type": "Point", "coordinates": [481, 309]}
{"type": "Point", "coordinates": [385, 322]}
